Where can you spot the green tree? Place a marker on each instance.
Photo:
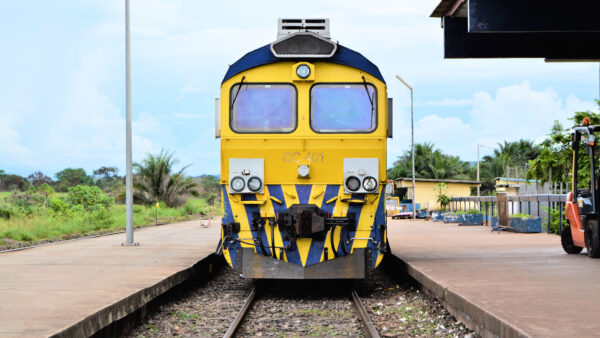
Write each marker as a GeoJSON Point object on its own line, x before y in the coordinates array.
{"type": "Point", "coordinates": [442, 198]}
{"type": "Point", "coordinates": [508, 154]}
{"type": "Point", "coordinates": [10, 182]}
{"type": "Point", "coordinates": [554, 164]}
{"type": "Point", "coordinates": [71, 177]}
{"type": "Point", "coordinates": [38, 178]}
{"type": "Point", "coordinates": [107, 177]}
{"type": "Point", "coordinates": [429, 163]}
{"type": "Point", "coordinates": [155, 180]}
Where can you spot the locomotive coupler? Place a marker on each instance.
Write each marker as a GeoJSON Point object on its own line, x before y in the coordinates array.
{"type": "Point", "coordinates": [309, 221]}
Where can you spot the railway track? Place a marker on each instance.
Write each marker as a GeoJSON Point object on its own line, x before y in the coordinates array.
{"type": "Point", "coordinates": [228, 305]}
{"type": "Point", "coordinates": [370, 330]}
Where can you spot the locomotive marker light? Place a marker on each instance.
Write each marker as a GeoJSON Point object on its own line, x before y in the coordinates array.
{"type": "Point", "coordinates": [370, 183]}
{"type": "Point", "coordinates": [246, 175]}
{"type": "Point", "coordinates": [303, 170]}
{"type": "Point", "coordinates": [237, 184]}
{"type": "Point", "coordinates": [352, 183]}
{"type": "Point", "coordinates": [357, 171]}
{"type": "Point", "coordinates": [254, 184]}
{"type": "Point", "coordinates": [303, 71]}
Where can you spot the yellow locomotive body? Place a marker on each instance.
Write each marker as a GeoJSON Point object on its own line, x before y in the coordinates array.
{"type": "Point", "coordinates": [294, 144]}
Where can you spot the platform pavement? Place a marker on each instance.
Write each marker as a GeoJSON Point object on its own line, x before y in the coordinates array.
{"type": "Point", "coordinates": [47, 289]}
{"type": "Point", "coordinates": [509, 284]}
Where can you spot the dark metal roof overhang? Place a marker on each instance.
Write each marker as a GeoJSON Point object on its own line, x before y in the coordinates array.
{"type": "Point", "coordinates": [552, 29]}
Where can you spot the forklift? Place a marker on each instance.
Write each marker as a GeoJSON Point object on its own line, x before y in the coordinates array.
{"type": "Point", "coordinates": [581, 208]}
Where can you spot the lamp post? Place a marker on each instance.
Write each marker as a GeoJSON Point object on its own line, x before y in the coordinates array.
{"type": "Point", "coordinates": [128, 161]}
{"type": "Point", "coordinates": [478, 186]}
{"type": "Point", "coordinates": [412, 137]}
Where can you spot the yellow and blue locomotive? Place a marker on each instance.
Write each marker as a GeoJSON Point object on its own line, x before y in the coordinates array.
{"type": "Point", "coordinates": [303, 124]}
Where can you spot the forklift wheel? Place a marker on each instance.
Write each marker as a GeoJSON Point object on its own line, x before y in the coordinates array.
{"type": "Point", "coordinates": [566, 240]}
{"type": "Point", "coordinates": [592, 240]}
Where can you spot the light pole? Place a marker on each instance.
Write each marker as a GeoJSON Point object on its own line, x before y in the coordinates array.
{"type": "Point", "coordinates": [412, 142]}
{"type": "Point", "coordinates": [128, 161]}
{"type": "Point", "coordinates": [478, 186]}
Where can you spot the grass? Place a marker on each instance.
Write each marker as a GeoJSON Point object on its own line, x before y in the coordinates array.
{"type": "Point", "coordinates": [51, 226]}
{"type": "Point", "coordinates": [521, 215]}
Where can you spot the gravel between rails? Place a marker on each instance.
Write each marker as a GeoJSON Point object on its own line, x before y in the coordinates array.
{"type": "Point", "coordinates": [205, 311]}
{"type": "Point", "coordinates": [303, 308]}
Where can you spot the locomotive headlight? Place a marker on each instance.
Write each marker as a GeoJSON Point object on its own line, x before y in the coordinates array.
{"type": "Point", "coordinates": [303, 71]}
{"type": "Point", "coordinates": [303, 170]}
{"type": "Point", "coordinates": [254, 184]}
{"type": "Point", "coordinates": [370, 183]}
{"type": "Point", "coordinates": [237, 184]}
{"type": "Point", "coordinates": [352, 183]}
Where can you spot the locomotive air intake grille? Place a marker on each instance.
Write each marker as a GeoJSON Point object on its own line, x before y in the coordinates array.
{"type": "Point", "coordinates": [306, 45]}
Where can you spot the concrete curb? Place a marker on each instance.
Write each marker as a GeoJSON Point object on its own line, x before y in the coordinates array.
{"type": "Point", "coordinates": [120, 317]}
{"type": "Point", "coordinates": [474, 316]}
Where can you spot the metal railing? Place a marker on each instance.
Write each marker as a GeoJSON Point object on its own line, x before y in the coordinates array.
{"type": "Point", "coordinates": [517, 204]}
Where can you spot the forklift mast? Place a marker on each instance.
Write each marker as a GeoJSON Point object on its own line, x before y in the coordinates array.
{"type": "Point", "coordinates": [590, 142]}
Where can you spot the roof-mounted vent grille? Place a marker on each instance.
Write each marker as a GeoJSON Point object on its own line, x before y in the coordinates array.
{"type": "Point", "coordinates": [286, 27]}
{"type": "Point", "coordinates": [303, 45]}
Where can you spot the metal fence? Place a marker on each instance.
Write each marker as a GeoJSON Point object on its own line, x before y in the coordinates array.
{"type": "Point", "coordinates": [534, 205]}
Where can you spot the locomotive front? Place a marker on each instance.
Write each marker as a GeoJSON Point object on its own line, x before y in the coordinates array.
{"type": "Point", "coordinates": [303, 124]}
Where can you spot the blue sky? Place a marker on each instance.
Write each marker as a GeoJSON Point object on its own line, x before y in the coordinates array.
{"type": "Point", "coordinates": [62, 69]}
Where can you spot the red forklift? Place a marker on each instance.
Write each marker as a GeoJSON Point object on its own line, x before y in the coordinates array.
{"type": "Point", "coordinates": [582, 205]}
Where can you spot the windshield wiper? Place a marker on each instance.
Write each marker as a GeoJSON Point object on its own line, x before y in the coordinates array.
{"type": "Point", "coordinates": [238, 91]}
{"type": "Point", "coordinates": [369, 95]}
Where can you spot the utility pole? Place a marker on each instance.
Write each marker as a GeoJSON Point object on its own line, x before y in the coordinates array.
{"type": "Point", "coordinates": [412, 137]}
{"type": "Point", "coordinates": [128, 156]}
{"type": "Point", "coordinates": [478, 158]}
{"type": "Point", "coordinates": [478, 185]}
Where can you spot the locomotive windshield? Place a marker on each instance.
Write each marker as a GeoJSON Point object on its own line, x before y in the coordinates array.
{"type": "Point", "coordinates": [343, 108]}
{"type": "Point", "coordinates": [263, 108]}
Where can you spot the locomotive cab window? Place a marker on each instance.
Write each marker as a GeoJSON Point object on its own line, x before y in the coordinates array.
{"type": "Point", "coordinates": [343, 108]}
{"type": "Point", "coordinates": [263, 108]}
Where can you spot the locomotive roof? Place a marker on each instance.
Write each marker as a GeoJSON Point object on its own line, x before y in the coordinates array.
{"type": "Point", "coordinates": [263, 56]}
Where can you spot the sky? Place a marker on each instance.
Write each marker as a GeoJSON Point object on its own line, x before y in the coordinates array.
{"type": "Point", "coordinates": [62, 78]}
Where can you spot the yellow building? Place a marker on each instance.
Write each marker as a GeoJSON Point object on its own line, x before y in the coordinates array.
{"type": "Point", "coordinates": [427, 191]}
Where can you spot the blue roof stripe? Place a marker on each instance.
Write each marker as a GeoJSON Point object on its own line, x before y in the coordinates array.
{"type": "Point", "coordinates": [263, 56]}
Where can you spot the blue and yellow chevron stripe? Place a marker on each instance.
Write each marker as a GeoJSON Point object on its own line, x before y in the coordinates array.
{"type": "Point", "coordinates": [370, 216]}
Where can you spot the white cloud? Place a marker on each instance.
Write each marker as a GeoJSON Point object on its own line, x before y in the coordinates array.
{"type": "Point", "coordinates": [513, 112]}
{"type": "Point", "coordinates": [449, 103]}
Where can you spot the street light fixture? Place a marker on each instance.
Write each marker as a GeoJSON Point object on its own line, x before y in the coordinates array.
{"type": "Point", "coordinates": [412, 137]}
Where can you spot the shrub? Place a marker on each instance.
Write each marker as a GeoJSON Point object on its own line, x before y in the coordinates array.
{"type": "Point", "coordinates": [5, 212]}
{"type": "Point", "coordinates": [88, 197]}
{"type": "Point", "coordinates": [58, 205]}
{"type": "Point", "coordinates": [521, 215]}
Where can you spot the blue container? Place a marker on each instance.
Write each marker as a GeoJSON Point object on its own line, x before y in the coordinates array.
{"type": "Point", "coordinates": [450, 218]}
{"type": "Point", "coordinates": [495, 223]}
{"type": "Point", "coordinates": [422, 214]}
{"type": "Point", "coordinates": [437, 216]}
{"type": "Point", "coordinates": [471, 219]}
{"type": "Point", "coordinates": [527, 225]}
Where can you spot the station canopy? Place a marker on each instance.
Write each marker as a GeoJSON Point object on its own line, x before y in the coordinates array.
{"type": "Point", "coordinates": [555, 30]}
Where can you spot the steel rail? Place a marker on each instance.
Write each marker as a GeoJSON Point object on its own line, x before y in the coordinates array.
{"type": "Point", "coordinates": [240, 316]}
{"type": "Point", "coordinates": [364, 315]}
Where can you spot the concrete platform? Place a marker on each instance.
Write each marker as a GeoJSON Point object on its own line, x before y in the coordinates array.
{"type": "Point", "coordinates": [51, 289]}
{"type": "Point", "coordinates": [505, 284]}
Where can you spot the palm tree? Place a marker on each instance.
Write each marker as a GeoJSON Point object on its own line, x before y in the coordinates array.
{"type": "Point", "coordinates": [155, 181]}
{"type": "Point", "coordinates": [429, 163]}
